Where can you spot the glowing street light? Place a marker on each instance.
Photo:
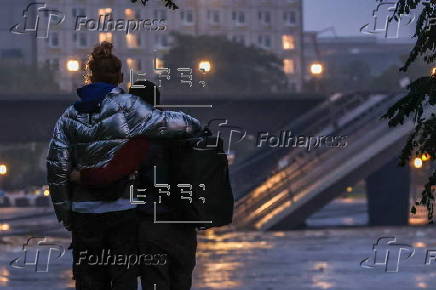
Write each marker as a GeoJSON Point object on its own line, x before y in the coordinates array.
{"type": "Point", "coordinates": [316, 69]}
{"type": "Point", "coordinates": [73, 65]}
{"type": "Point", "coordinates": [417, 162]}
{"type": "Point", "coordinates": [204, 66]}
{"type": "Point", "coordinates": [3, 169]}
{"type": "Point", "coordinates": [46, 192]}
{"type": "Point", "coordinates": [433, 72]}
{"type": "Point", "coordinates": [4, 227]}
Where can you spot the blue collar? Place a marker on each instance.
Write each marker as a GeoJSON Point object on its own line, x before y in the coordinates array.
{"type": "Point", "coordinates": [91, 96]}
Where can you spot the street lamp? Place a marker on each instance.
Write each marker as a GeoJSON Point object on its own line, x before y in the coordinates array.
{"type": "Point", "coordinates": [433, 72]}
{"type": "Point", "coordinates": [204, 66]}
{"type": "Point", "coordinates": [73, 65]}
{"type": "Point", "coordinates": [316, 69]}
{"type": "Point", "coordinates": [3, 169]}
{"type": "Point", "coordinates": [417, 162]}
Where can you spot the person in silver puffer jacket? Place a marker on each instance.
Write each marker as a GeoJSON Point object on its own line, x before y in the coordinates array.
{"type": "Point", "coordinates": [90, 140]}
{"type": "Point", "coordinates": [87, 135]}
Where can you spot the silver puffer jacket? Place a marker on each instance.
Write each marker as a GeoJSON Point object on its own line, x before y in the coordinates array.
{"type": "Point", "coordinates": [83, 140]}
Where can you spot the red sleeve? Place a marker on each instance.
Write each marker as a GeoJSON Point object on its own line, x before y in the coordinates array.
{"type": "Point", "coordinates": [125, 161]}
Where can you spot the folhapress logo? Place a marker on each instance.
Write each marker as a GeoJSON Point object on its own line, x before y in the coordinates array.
{"type": "Point", "coordinates": [388, 254]}
{"type": "Point", "coordinates": [384, 21]}
{"type": "Point", "coordinates": [37, 254]}
{"type": "Point", "coordinates": [38, 19]}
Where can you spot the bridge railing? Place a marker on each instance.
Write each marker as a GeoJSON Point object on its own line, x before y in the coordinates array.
{"type": "Point", "coordinates": [264, 162]}
{"type": "Point", "coordinates": [295, 156]}
{"type": "Point", "coordinates": [296, 174]}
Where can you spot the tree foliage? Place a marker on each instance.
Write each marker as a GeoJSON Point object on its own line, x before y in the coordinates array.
{"type": "Point", "coordinates": [235, 68]}
{"type": "Point", "coordinates": [421, 94]}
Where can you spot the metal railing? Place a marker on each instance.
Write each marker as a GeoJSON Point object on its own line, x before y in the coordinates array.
{"type": "Point", "coordinates": [362, 129]}
{"type": "Point", "coordinates": [265, 160]}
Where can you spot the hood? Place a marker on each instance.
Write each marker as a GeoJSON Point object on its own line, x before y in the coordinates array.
{"type": "Point", "coordinates": [91, 97]}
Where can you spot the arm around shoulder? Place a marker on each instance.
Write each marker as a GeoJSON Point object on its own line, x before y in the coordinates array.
{"type": "Point", "coordinates": [145, 120]}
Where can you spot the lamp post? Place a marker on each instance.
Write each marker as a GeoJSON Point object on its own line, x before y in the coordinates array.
{"type": "Point", "coordinates": [3, 169]}
{"type": "Point", "coordinates": [204, 66]}
{"type": "Point", "coordinates": [3, 173]}
{"type": "Point", "coordinates": [417, 162]}
{"type": "Point", "coordinates": [73, 65]}
{"type": "Point", "coordinates": [316, 70]}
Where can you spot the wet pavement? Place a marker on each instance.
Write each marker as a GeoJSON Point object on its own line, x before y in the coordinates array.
{"type": "Point", "coordinates": [303, 259]}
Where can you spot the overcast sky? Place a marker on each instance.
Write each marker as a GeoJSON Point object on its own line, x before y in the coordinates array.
{"type": "Point", "coordinates": [347, 16]}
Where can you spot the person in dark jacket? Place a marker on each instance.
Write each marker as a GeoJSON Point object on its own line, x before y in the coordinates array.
{"type": "Point", "coordinates": [173, 244]}
{"type": "Point", "coordinates": [88, 135]}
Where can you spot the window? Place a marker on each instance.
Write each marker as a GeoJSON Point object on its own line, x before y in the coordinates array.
{"type": "Point", "coordinates": [238, 17]}
{"type": "Point", "coordinates": [161, 41]}
{"type": "Point", "coordinates": [83, 40]}
{"type": "Point", "coordinates": [187, 17]}
{"type": "Point", "coordinates": [264, 17]}
{"type": "Point", "coordinates": [133, 64]}
{"type": "Point", "coordinates": [76, 12]}
{"type": "Point", "coordinates": [80, 39]}
{"type": "Point", "coordinates": [104, 11]}
{"type": "Point", "coordinates": [160, 14]}
{"type": "Point", "coordinates": [129, 13]}
{"type": "Point", "coordinates": [264, 41]}
{"type": "Point", "coordinates": [105, 36]}
{"type": "Point", "coordinates": [53, 39]}
{"type": "Point", "coordinates": [213, 16]}
{"type": "Point", "coordinates": [48, 14]}
{"type": "Point", "coordinates": [159, 63]}
{"type": "Point", "coordinates": [288, 66]}
{"type": "Point", "coordinates": [290, 18]}
{"type": "Point", "coordinates": [133, 41]}
{"type": "Point", "coordinates": [288, 42]}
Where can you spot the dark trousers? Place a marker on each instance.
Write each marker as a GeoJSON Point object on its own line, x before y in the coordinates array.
{"type": "Point", "coordinates": [102, 244]}
{"type": "Point", "coordinates": [174, 246]}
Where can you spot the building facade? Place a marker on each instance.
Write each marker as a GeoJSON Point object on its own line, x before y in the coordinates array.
{"type": "Point", "coordinates": [15, 47]}
{"type": "Point", "coordinates": [274, 25]}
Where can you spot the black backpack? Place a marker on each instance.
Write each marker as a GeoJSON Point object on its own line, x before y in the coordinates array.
{"type": "Point", "coordinates": [199, 169]}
